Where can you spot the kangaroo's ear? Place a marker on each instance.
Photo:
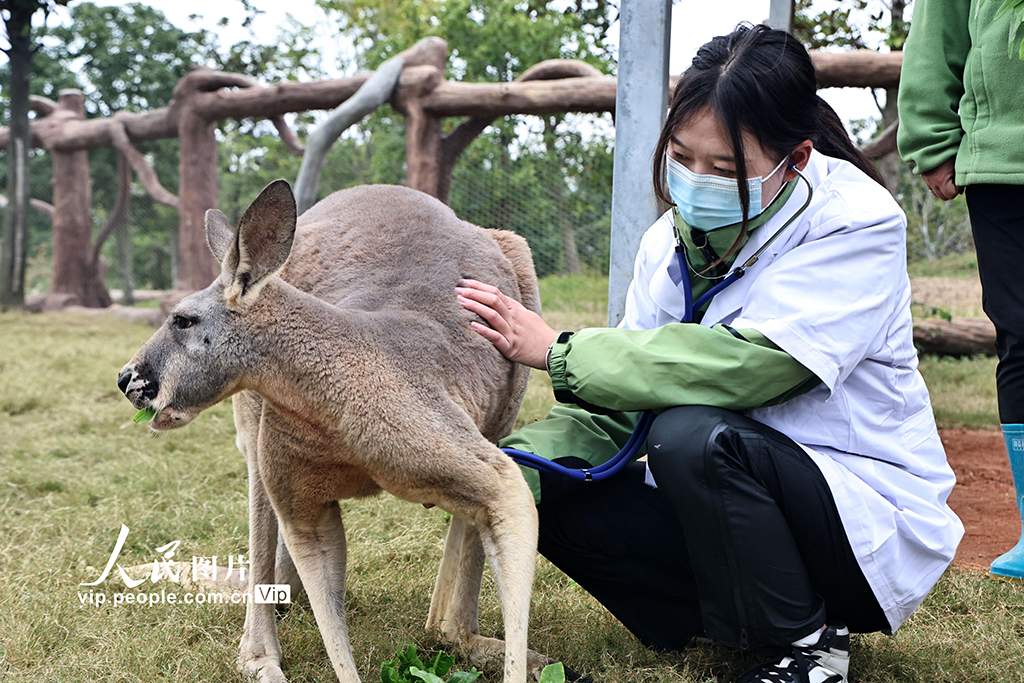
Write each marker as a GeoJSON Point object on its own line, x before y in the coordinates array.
{"type": "Point", "coordinates": [219, 234]}
{"type": "Point", "coordinates": [263, 240]}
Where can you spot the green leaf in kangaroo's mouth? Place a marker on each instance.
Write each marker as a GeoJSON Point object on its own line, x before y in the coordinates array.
{"type": "Point", "coordinates": [145, 415]}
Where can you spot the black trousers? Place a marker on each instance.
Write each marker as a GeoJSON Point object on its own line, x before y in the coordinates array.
{"type": "Point", "coordinates": [741, 541]}
{"type": "Point", "coordinates": [997, 220]}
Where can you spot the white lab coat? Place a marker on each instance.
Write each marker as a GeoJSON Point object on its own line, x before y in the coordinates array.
{"type": "Point", "coordinates": [833, 292]}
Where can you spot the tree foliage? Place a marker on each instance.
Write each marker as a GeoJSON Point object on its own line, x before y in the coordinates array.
{"type": "Point", "coordinates": [489, 40]}
{"type": "Point", "coordinates": [126, 58]}
{"type": "Point", "coordinates": [851, 24]}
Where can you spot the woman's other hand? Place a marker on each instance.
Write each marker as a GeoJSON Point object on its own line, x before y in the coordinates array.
{"type": "Point", "coordinates": [517, 332]}
{"type": "Point", "coordinates": [941, 180]}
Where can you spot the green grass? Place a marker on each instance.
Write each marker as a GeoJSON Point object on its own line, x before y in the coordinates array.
{"type": "Point", "coordinates": [963, 391]}
{"type": "Point", "coordinates": [575, 293]}
{"type": "Point", "coordinates": [960, 265]}
{"type": "Point", "coordinates": [147, 303]}
{"type": "Point", "coordinates": [73, 468]}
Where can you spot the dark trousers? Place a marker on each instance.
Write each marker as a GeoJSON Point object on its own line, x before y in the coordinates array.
{"type": "Point", "coordinates": [741, 542]}
{"type": "Point", "coordinates": [997, 220]}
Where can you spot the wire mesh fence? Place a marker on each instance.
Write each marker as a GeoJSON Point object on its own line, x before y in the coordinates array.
{"type": "Point", "coordinates": [552, 187]}
{"type": "Point", "coordinates": [141, 251]}
{"type": "Point", "coordinates": [547, 181]}
{"type": "Point", "coordinates": [39, 261]}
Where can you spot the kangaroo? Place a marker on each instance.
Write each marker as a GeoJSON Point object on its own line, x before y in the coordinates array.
{"type": "Point", "coordinates": [354, 370]}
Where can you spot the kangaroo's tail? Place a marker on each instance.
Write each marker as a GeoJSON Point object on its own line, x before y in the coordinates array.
{"type": "Point", "coordinates": [518, 252]}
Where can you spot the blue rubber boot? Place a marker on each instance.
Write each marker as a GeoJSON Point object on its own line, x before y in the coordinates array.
{"type": "Point", "coordinates": [1012, 563]}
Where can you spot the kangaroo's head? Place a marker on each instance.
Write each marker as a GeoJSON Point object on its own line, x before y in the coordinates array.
{"type": "Point", "coordinates": [206, 346]}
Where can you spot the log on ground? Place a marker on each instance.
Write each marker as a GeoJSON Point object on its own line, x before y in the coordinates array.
{"type": "Point", "coordinates": [958, 337]}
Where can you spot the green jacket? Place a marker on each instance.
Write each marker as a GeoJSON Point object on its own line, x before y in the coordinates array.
{"type": "Point", "coordinates": [611, 374]}
{"type": "Point", "coordinates": [961, 92]}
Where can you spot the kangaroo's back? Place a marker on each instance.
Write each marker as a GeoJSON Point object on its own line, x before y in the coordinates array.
{"type": "Point", "coordinates": [400, 253]}
{"type": "Point", "coordinates": [382, 246]}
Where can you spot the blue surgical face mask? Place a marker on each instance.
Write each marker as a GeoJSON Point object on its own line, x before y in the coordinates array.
{"type": "Point", "coordinates": [707, 202]}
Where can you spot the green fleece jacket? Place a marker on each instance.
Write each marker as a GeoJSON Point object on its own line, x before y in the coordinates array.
{"type": "Point", "coordinates": [962, 93]}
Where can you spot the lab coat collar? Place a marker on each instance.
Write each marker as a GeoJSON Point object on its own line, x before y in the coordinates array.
{"type": "Point", "coordinates": [665, 280]}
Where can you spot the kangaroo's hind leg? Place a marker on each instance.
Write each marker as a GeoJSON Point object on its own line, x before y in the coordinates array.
{"type": "Point", "coordinates": [484, 486]}
{"type": "Point", "coordinates": [454, 607]}
{"type": "Point", "coordinates": [284, 567]}
{"type": "Point", "coordinates": [508, 534]}
{"type": "Point", "coordinates": [448, 588]}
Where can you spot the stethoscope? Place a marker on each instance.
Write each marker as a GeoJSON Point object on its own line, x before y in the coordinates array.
{"type": "Point", "coordinates": [636, 440]}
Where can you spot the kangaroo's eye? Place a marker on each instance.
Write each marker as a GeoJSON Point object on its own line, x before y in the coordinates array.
{"type": "Point", "coordinates": [183, 323]}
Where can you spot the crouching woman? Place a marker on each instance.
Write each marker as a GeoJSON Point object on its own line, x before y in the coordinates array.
{"type": "Point", "coordinates": [795, 487]}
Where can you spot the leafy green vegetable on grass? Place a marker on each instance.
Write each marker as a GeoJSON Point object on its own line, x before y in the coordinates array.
{"type": "Point", "coordinates": [407, 667]}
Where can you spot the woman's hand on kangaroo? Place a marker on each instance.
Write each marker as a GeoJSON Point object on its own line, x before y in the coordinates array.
{"type": "Point", "coordinates": [517, 332]}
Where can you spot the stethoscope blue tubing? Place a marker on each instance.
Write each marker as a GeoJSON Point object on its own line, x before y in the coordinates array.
{"type": "Point", "coordinates": [636, 440]}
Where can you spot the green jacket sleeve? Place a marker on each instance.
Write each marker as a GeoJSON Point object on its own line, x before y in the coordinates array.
{"type": "Point", "coordinates": [674, 365]}
{"type": "Point", "coordinates": [932, 83]}
{"type": "Point", "coordinates": [631, 370]}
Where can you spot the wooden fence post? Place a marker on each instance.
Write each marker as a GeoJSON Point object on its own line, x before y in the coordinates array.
{"type": "Point", "coordinates": [76, 275]}
{"type": "Point", "coordinates": [197, 177]}
{"type": "Point", "coordinates": [423, 129]}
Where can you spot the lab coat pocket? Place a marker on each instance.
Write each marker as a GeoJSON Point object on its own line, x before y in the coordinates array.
{"type": "Point", "coordinates": [918, 428]}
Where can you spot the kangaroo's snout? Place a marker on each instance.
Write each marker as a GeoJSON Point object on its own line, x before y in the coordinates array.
{"type": "Point", "coordinates": [138, 389]}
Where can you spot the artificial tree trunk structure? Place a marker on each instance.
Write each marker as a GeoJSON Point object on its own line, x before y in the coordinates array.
{"type": "Point", "coordinates": [197, 173]}
{"type": "Point", "coordinates": [204, 97]}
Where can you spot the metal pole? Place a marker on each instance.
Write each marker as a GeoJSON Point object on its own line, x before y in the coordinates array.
{"type": "Point", "coordinates": [780, 14]}
{"type": "Point", "coordinates": [641, 100]}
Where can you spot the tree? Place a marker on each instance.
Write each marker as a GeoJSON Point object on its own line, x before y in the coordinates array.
{"type": "Point", "coordinates": [853, 25]}
{"type": "Point", "coordinates": [17, 16]}
{"type": "Point", "coordinates": [128, 59]}
{"type": "Point", "coordinates": [934, 228]}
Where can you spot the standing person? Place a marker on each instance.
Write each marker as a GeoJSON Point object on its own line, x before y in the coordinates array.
{"type": "Point", "coordinates": [961, 105]}
{"type": "Point", "coordinates": [797, 485]}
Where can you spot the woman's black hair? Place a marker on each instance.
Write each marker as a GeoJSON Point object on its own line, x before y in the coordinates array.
{"type": "Point", "coordinates": [760, 81]}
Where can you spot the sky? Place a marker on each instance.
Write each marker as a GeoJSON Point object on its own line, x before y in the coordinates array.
{"type": "Point", "coordinates": [694, 22]}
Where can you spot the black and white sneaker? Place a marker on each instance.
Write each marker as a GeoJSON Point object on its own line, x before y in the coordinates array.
{"type": "Point", "coordinates": [822, 657]}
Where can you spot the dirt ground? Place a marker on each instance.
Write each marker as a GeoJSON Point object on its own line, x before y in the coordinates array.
{"type": "Point", "coordinates": [983, 496]}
